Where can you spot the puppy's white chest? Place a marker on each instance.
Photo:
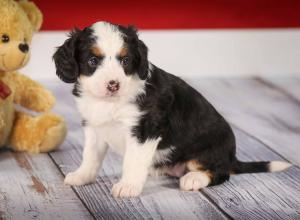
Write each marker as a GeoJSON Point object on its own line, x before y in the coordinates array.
{"type": "Point", "coordinates": [112, 120]}
{"type": "Point", "coordinates": [114, 134]}
{"type": "Point", "coordinates": [98, 113]}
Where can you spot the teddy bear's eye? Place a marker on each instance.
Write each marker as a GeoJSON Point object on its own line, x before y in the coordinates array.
{"type": "Point", "coordinates": [5, 38]}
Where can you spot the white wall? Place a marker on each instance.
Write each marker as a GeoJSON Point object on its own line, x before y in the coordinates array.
{"type": "Point", "coordinates": [199, 53]}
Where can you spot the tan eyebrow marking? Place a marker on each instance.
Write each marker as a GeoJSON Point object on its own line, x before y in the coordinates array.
{"type": "Point", "coordinates": [123, 52]}
{"type": "Point", "coordinates": [96, 51]}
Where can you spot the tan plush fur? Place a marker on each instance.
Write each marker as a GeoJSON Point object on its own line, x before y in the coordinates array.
{"type": "Point", "coordinates": [19, 130]}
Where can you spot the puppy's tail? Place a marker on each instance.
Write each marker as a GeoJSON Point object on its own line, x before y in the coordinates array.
{"type": "Point", "coordinates": [259, 167]}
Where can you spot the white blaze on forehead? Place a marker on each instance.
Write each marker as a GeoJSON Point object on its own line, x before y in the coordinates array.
{"type": "Point", "coordinates": [109, 38]}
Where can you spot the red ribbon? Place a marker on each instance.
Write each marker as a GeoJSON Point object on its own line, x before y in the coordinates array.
{"type": "Point", "coordinates": [4, 90]}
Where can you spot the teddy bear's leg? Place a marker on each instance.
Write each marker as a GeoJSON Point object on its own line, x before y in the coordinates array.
{"type": "Point", "coordinates": [42, 133]}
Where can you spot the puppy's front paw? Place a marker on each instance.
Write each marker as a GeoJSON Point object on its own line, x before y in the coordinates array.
{"type": "Point", "coordinates": [79, 178]}
{"type": "Point", "coordinates": [124, 190]}
{"type": "Point", "coordinates": [194, 181]}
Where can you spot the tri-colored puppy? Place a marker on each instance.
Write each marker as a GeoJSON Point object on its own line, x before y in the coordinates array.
{"type": "Point", "coordinates": [154, 119]}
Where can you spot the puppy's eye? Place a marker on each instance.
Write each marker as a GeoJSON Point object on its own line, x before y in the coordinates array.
{"type": "Point", "coordinates": [93, 62]}
{"type": "Point", "coordinates": [125, 61]}
{"type": "Point", "coordinates": [5, 38]}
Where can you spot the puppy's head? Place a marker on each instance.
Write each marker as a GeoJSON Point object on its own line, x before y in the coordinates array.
{"type": "Point", "coordinates": [106, 60]}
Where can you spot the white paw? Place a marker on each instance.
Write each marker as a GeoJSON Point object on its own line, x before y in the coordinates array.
{"type": "Point", "coordinates": [79, 178]}
{"type": "Point", "coordinates": [194, 181]}
{"type": "Point", "coordinates": [124, 190]}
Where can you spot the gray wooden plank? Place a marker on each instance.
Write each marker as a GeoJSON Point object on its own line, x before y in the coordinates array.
{"type": "Point", "coordinates": [263, 111]}
{"type": "Point", "coordinates": [31, 188]}
{"type": "Point", "coordinates": [290, 86]}
{"type": "Point", "coordinates": [259, 196]}
{"type": "Point", "coordinates": [161, 198]}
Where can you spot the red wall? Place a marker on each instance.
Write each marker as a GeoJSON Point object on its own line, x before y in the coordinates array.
{"type": "Point", "coordinates": [175, 14]}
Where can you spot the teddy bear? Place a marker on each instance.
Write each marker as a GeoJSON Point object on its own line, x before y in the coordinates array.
{"type": "Point", "coordinates": [19, 128]}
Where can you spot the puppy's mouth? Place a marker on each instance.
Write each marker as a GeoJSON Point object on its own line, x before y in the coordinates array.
{"type": "Point", "coordinates": [108, 96]}
{"type": "Point", "coordinates": [112, 94]}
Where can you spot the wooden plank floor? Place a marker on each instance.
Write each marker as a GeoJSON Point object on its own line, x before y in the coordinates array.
{"type": "Point", "coordinates": [265, 115]}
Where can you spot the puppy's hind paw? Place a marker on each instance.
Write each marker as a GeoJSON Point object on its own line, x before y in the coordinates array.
{"type": "Point", "coordinates": [193, 181]}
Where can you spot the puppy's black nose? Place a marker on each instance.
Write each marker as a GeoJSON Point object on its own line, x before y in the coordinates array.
{"type": "Point", "coordinates": [24, 48]}
{"type": "Point", "coordinates": [113, 86]}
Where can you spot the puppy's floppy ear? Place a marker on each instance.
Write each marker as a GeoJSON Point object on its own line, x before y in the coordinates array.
{"type": "Point", "coordinates": [142, 53]}
{"type": "Point", "coordinates": [143, 67]}
{"type": "Point", "coordinates": [67, 68]}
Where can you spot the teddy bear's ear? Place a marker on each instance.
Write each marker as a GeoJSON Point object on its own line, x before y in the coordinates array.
{"type": "Point", "coordinates": [34, 14]}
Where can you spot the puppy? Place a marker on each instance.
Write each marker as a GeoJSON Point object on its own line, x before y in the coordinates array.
{"type": "Point", "coordinates": [159, 123]}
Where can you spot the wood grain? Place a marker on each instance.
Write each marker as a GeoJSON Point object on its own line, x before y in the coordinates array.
{"type": "Point", "coordinates": [31, 188]}
{"type": "Point", "coordinates": [289, 86]}
{"type": "Point", "coordinates": [262, 111]}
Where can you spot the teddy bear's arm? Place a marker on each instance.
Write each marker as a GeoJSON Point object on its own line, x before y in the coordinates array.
{"type": "Point", "coordinates": [30, 94]}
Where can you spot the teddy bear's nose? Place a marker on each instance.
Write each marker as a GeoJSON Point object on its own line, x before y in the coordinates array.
{"type": "Point", "coordinates": [24, 48]}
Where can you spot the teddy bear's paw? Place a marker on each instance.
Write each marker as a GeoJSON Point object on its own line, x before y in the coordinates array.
{"type": "Point", "coordinates": [79, 178]}
{"type": "Point", "coordinates": [41, 100]}
{"type": "Point", "coordinates": [54, 136]}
